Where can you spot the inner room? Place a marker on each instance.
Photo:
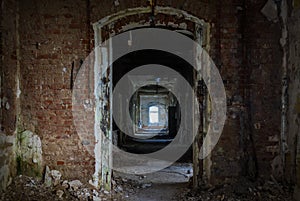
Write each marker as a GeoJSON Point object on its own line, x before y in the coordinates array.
{"type": "Point", "coordinates": [155, 115]}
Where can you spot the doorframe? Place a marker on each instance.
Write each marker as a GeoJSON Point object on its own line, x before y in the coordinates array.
{"type": "Point", "coordinates": [103, 174]}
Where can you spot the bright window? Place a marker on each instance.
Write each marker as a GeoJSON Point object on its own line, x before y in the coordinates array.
{"type": "Point", "coordinates": [153, 115]}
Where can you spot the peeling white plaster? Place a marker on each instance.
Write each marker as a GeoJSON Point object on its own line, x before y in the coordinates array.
{"type": "Point", "coordinates": [30, 149]}
{"type": "Point", "coordinates": [284, 99]}
{"type": "Point", "coordinates": [18, 88]}
{"type": "Point", "coordinates": [180, 13]}
{"type": "Point", "coordinates": [101, 59]}
{"type": "Point", "coordinates": [10, 139]}
{"type": "Point", "coordinates": [7, 144]}
{"type": "Point", "coordinates": [7, 106]}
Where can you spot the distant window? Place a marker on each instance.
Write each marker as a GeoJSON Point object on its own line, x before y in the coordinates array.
{"type": "Point", "coordinates": [153, 115]}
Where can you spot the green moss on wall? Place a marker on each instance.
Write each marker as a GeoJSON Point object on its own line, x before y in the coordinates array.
{"type": "Point", "coordinates": [29, 154]}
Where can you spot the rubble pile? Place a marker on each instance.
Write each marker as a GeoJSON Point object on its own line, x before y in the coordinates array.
{"type": "Point", "coordinates": [54, 188]}
{"type": "Point", "coordinates": [129, 187]}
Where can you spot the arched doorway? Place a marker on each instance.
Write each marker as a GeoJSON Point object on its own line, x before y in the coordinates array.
{"type": "Point", "coordinates": [124, 21]}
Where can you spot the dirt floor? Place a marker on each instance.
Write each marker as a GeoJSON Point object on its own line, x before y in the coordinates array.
{"type": "Point", "coordinates": [169, 184]}
{"type": "Point", "coordinates": [242, 190]}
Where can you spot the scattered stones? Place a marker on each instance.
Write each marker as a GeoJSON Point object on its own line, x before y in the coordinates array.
{"type": "Point", "coordinates": [26, 188]}
{"type": "Point", "coordinates": [142, 177]}
{"type": "Point", "coordinates": [51, 177]}
{"type": "Point", "coordinates": [65, 184]}
{"type": "Point", "coordinates": [95, 198]}
{"type": "Point", "coordinates": [59, 193]}
{"type": "Point", "coordinates": [75, 184]}
{"type": "Point", "coordinates": [56, 175]}
{"type": "Point", "coordinates": [146, 185]}
{"type": "Point", "coordinates": [47, 177]}
{"type": "Point", "coordinates": [119, 188]}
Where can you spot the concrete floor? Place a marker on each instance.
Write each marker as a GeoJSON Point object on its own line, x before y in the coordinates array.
{"type": "Point", "coordinates": [162, 185]}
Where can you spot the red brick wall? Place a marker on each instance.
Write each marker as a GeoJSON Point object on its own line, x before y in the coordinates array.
{"type": "Point", "coordinates": [244, 45]}
{"type": "Point", "coordinates": [53, 36]}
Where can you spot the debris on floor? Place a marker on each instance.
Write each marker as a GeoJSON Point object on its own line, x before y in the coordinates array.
{"type": "Point", "coordinates": [242, 190]}
{"type": "Point", "coordinates": [159, 186]}
{"type": "Point", "coordinates": [29, 189]}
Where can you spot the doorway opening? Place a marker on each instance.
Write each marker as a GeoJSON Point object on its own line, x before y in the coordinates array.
{"type": "Point", "coordinates": [154, 110]}
{"type": "Point", "coordinates": [155, 114]}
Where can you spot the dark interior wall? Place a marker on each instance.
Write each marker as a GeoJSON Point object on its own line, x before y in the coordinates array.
{"type": "Point", "coordinates": [293, 137]}
{"type": "Point", "coordinates": [55, 35]}
{"type": "Point", "coordinates": [250, 64]}
{"type": "Point", "coordinates": [9, 66]}
{"type": "Point", "coordinates": [263, 84]}
{"type": "Point", "coordinates": [8, 70]}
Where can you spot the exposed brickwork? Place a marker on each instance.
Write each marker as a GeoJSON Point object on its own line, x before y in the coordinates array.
{"type": "Point", "coordinates": [56, 35]}
{"type": "Point", "coordinates": [53, 36]}
{"type": "Point", "coordinates": [264, 60]}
